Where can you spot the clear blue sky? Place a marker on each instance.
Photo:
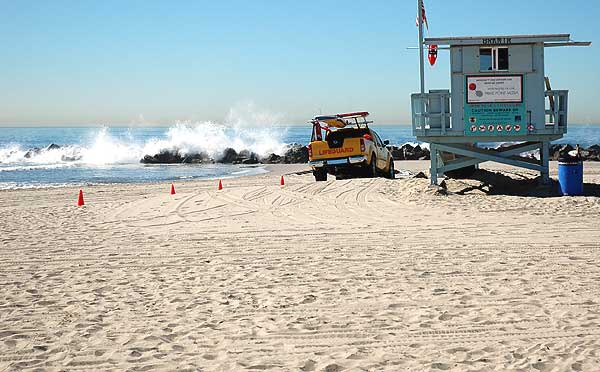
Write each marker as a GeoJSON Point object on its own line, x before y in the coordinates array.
{"type": "Point", "coordinates": [110, 61]}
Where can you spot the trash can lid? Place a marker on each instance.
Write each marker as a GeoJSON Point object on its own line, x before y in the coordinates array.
{"type": "Point", "coordinates": [569, 159]}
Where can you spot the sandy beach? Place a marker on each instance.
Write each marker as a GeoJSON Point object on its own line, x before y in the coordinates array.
{"type": "Point", "coordinates": [348, 275]}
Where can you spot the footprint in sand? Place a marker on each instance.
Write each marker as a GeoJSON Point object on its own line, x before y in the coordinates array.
{"type": "Point", "coordinates": [135, 354]}
{"type": "Point", "coordinates": [333, 368]}
{"type": "Point", "coordinates": [540, 366]}
{"type": "Point", "coordinates": [445, 316]}
{"type": "Point", "coordinates": [309, 299]}
{"type": "Point", "coordinates": [308, 366]}
{"type": "Point", "coordinates": [178, 348]}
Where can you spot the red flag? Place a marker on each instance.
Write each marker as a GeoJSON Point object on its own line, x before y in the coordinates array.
{"type": "Point", "coordinates": [422, 15]}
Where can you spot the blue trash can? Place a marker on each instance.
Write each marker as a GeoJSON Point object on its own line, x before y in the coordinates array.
{"type": "Point", "coordinates": [570, 177]}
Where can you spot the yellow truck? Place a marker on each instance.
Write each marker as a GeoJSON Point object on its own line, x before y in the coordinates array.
{"type": "Point", "coordinates": [348, 147]}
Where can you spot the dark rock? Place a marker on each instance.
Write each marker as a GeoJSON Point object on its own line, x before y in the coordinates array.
{"type": "Point", "coordinates": [163, 157]}
{"type": "Point", "coordinates": [32, 152]}
{"type": "Point", "coordinates": [414, 153]}
{"type": "Point", "coordinates": [252, 160]}
{"type": "Point", "coordinates": [36, 150]}
{"type": "Point", "coordinates": [407, 147]}
{"type": "Point", "coordinates": [592, 153]}
{"type": "Point", "coordinates": [245, 154]}
{"type": "Point", "coordinates": [196, 159]}
{"type": "Point", "coordinates": [247, 157]}
{"type": "Point", "coordinates": [420, 175]}
{"type": "Point", "coordinates": [272, 159]}
{"type": "Point", "coordinates": [564, 150]}
{"type": "Point", "coordinates": [168, 157]}
{"type": "Point", "coordinates": [397, 153]}
{"type": "Point", "coordinates": [409, 152]}
{"type": "Point", "coordinates": [229, 156]}
{"type": "Point", "coordinates": [149, 159]}
{"type": "Point", "coordinates": [421, 153]}
{"type": "Point", "coordinates": [594, 148]}
{"type": "Point", "coordinates": [296, 154]}
{"type": "Point", "coordinates": [70, 158]}
{"type": "Point", "coordinates": [554, 149]}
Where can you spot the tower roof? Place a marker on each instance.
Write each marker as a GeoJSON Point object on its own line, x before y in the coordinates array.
{"type": "Point", "coordinates": [500, 40]}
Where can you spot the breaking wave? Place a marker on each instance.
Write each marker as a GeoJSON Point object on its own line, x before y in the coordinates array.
{"type": "Point", "coordinates": [103, 148]}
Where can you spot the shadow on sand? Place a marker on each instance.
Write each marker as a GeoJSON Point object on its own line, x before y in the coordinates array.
{"type": "Point", "coordinates": [496, 183]}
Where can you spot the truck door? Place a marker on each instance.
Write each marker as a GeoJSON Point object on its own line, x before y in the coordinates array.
{"type": "Point", "coordinates": [381, 151]}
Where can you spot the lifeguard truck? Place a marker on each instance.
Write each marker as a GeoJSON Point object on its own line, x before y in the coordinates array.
{"type": "Point", "coordinates": [348, 147]}
{"type": "Point", "coordinates": [499, 93]}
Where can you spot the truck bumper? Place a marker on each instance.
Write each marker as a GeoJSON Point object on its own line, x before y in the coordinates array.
{"type": "Point", "coordinates": [352, 160]}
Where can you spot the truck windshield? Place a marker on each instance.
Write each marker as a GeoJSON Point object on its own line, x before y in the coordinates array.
{"type": "Point", "coordinates": [336, 138]}
{"type": "Point", "coordinates": [347, 133]}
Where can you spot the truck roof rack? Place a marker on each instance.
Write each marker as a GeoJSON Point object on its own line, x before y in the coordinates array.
{"type": "Point", "coordinates": [343, 120]}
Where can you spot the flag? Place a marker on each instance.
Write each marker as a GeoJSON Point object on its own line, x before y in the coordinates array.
{"type": "Point", "coordinates": [423, 15]}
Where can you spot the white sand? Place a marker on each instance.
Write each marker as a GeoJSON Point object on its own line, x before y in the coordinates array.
{"type": "Point", "coordinates": [363, 274]}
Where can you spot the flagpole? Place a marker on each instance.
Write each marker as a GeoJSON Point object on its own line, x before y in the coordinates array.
{"type": "Point", "coordinates": [421, 61]}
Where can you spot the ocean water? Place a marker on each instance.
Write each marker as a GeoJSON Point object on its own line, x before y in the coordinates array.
{"type": "Point", "coordinates": [97, 155]}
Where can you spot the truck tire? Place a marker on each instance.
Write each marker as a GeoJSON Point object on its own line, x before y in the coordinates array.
{"type": "Point", "coordinates": [372, 170]}
{"type": "Point", "coordinates": [391, 173]}
{"type": "Point", "coordinates": [320, 174]}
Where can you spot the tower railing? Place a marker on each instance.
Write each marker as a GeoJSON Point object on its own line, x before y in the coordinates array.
{"type": "Point", "coordinates": [431, 113]}
{"type": "Point", "coordinates": [557, 110]}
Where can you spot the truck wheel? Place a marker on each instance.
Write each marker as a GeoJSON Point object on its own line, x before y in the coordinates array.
{"type": "Point", "coordinates": [320, 174]}
{"type": "Point", "coordinates": [372, 171]}
{"type": "Point", "coordinates": [391, 173]}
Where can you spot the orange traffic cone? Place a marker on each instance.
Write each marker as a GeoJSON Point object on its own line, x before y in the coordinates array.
{"type": "Point", "coordinates": [80, 202]}
{"type": "Point", "coordinates": [282, 181]}
{"type": "Point", "coordinates": [172, 189]}
{"type": "Point", "coordinates": [220, 185]}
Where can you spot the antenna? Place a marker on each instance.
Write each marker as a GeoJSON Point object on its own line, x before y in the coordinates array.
{"type": "Point", "coordinates": [421, 62]}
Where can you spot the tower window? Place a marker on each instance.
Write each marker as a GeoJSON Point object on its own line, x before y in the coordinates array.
{"type": "Point", "coordinates": [493, 59]}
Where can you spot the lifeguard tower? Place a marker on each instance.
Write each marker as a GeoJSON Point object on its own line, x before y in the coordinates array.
{"type": "Point", "coordinates": [499, 93]}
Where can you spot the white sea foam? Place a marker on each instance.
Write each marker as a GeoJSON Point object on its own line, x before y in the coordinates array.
{"type": "Point", "coordinates": [16, 185]}
{"type": "Point", "coordinates": [213, 139]}
{"type": "Point", "coordinates": [185, 137]}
